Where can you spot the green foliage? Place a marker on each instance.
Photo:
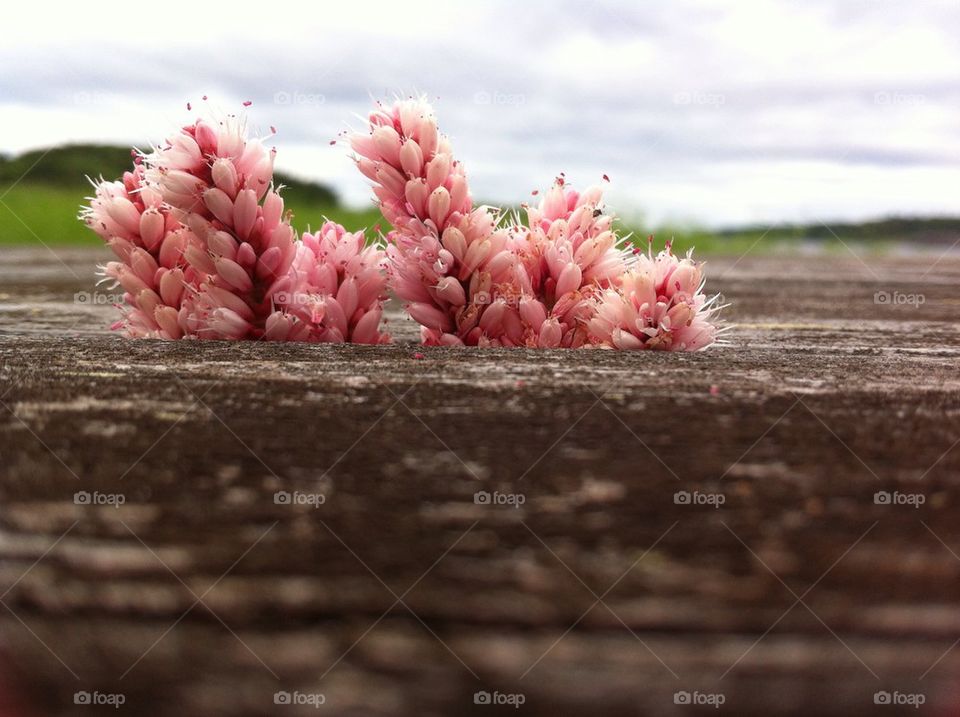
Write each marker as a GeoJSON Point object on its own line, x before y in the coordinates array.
{"type": "Point", "coordinates": [66, 166]}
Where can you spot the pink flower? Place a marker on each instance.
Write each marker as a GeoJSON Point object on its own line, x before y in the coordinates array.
{"type": "Point", "coordinates": [572, 254]}
{"type": "Point", "coordinates": [215, 178]}
{"type": "Point", "coordinates": [339, 286]}
{"type": "Point", "coordinates": [259, 282]}
{"type": "Point", "coordinates": [149, 243]}
{"type": "Point", "coordinates": [657, 304]}
{"type": "Point", "coordinates": [461, 275]}
{"type": "Point", "coordinates": [206, 250]}
{"type": "Point", "coordinates": [563, 280]}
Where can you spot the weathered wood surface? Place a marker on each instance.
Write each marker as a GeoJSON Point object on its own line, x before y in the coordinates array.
{"type": "Point", "coordinates": [201, 595]}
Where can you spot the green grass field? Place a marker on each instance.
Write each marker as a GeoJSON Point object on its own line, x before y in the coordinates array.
{"type": "Point", "coordinates": [32, 213]}
{"type": "Point", "coordinates": [42, 191]}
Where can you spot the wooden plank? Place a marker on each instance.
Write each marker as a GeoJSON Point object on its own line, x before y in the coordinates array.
{"type": "Point", "coordinates": [583, 585]}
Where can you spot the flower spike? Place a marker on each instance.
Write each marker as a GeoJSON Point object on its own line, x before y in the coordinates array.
{"type": "Point", "coordinates": [206, 249]}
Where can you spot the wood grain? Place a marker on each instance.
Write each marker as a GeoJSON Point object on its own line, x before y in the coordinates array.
{"type": "Point", "coordinates": [588, 590]}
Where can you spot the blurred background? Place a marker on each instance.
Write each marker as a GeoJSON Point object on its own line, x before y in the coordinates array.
{"type": "Point", "coordinates": [762, 123]}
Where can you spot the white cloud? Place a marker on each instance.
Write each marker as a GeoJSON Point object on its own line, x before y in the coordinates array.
{"type": "Point", "coordinates": [702, 110]}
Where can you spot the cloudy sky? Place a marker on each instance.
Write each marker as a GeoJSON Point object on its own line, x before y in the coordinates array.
{"type": "Point", "coordinates": [706, 111]}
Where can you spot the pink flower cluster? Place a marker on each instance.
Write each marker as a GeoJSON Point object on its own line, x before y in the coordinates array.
{"type": "Point", "coordinates": [206, 251]}
{"type": "Point", "coordinates": [149, 243]}
{"type": "Point", "coordinates": [658, 303]}
{"type": "Point", "coordinates": [564, 279]}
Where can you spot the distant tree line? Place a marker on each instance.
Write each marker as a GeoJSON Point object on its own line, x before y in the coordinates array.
{"type": "Point", "coordinates": [69, 165]}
